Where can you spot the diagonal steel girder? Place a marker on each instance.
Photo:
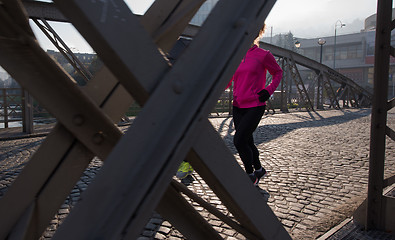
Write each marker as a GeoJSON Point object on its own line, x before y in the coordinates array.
{"type": "Point", "coordinates": [67, 158]}
{"type": "Point", "coordinates": [63, 48]}
{"type": "Point", "coordinates": [299, 83]}
{"type": "Point", "coordinates": [21, 51]}
{"type": "Point", "coordinates": [62, 156]}
{"type": "Point", "coordinates": [329, 89]}
{"type": "Point", "coordinates": [377, 204]}
{"type": "Point", "coordinates": [176, 88]}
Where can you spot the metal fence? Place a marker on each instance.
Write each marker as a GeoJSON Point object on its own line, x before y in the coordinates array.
{"type": "Point", "coordinates": [10, 106]}
{"type": "Point", "coordinates": [15, 107]}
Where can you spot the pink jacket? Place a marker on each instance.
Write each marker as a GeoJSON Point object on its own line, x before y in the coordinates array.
{"type": "Point", "coordinates": [250, 77]}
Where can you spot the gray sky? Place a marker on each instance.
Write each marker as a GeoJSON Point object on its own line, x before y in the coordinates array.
{"type": "Point", "coordinates": [304, 18]}
{"type": "Point", "coordinates": [317, 18]}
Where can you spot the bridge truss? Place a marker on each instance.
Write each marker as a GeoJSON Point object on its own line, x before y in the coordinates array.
{"type": "Point", "coordinates": [136, 177]}
{"type": "Point", "coordinates": [137, 174]}
{"type": "Point", "coordinates": [377, 211]}
{"type": "Point", "coordinates": [327, 88]}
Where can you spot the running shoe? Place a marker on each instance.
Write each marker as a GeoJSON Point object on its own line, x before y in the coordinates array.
{"type": "Point", "coordinates": [261, 173]}
{"type": "Point", "coordinates": [187, 180]}
{"type": "Point", "coordinates": [184, 170]}
{"type": "Point", "coordinates": [253, 178]}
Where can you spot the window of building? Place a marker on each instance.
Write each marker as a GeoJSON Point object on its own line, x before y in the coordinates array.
{"type": "Point", "coordinates": [328, 53]}
{"type": "Point", "coordinates": [342, 55]}
{"type": "Point", "coordinates": [352, 52]}
{"type": "Point", "coordinates": [359, 51]}
{"type": "Point", "coordinates": [349, 52]}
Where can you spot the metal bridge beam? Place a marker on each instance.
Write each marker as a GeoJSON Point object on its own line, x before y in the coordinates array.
{"type": "Point", "coordinates": [377, 211]}
{"type": "Point", "coordinates": [128, 162]}
{"type": "Point", "coordinates": [377, 204]}
{"type": "Point", "coordinates": [318, 68]}
{"type": "Point", "coordinates": [43, 10]}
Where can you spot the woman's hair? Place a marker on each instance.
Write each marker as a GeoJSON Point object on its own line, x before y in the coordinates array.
{"type": "Point", "coordinates": [260, 35]}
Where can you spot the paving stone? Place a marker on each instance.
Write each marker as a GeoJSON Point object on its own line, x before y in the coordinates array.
{"type": "Point", "coordinates": [288, 223]}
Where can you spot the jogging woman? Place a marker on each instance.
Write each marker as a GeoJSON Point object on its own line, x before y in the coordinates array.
{"type": "Point", "coordinates": [249, 102]}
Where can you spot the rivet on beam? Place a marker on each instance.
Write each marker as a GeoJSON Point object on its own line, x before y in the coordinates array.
{"type": "Point", "coordinates": [177, 86]}
{"type": "Point", "coordinates": [240, 23]}
{"type": "Point", "coordinates": [98, 138]}
{"type": "Point", "coordinates": [78, 120]}
{"type": "Point", "coordinates": [23, 40]}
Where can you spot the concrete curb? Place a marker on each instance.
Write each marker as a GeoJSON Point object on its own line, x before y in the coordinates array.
{"type": "Point", "coordinates": [335, 229]}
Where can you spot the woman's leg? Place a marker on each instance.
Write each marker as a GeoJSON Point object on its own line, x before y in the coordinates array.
{"type": "Point", "coordinates": [246, 121]}
{"type": "Point", "coordinates": [255, 154]}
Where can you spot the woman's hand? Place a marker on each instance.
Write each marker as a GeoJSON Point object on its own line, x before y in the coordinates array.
{"type": "Point", "coordinates": [263, 95]}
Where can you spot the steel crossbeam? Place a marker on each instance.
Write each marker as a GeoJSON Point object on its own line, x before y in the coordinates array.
{"type": "Point", "coordinates": [63, 48]}
{"type": "Point", "coordinates": [330, 91]}
{"type": "Point", "coordinates": [117, 101]}
{"type": "Point", "coordinates": [377, 211]}
{"type": "Point", "coordinates": [147, 147]}
{"type": "Point", "coordinates": [377, 204]}
{"type": "Point", "coordinates": [284, 87]}
{"type": "Point", "coordinates": [299, 84]}
{"type": "Point", "coordinates": [174, 87]}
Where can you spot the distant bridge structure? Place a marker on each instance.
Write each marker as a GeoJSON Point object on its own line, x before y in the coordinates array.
{"type": "Point", "coordinates": [340, 91]}
{"type": "Point", "coordinates": [328, 89]}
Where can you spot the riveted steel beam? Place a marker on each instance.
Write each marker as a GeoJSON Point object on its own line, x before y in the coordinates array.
{"type": "Point", "coordinates": [173, 90]}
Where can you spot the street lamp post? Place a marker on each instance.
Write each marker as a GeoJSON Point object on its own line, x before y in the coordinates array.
{"type": "Point", "coordinates": [297, 45]}
{"type": "Point", "coordinates": [334, 46]}
{"type": "Point", "coordinates": [321, 42]}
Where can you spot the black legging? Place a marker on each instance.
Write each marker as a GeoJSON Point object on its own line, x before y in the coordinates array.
{"type": "Point", "coordinates": [246, 120]}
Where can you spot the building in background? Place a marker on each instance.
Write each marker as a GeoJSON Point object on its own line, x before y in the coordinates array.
{"type": "Point", "coordinates": [353, 57]}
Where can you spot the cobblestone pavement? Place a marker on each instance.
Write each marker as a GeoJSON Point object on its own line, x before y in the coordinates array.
{"type": "Point", "coordinates": [318, 165]}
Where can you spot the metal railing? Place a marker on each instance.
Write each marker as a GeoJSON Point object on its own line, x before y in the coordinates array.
{"type": "Point", "coordinates": [10, 106]}
{"type": "Point", "coordinates": [13, 108]}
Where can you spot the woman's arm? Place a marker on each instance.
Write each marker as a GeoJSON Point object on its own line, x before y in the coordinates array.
{"type": "Point", "coordinates": [274, 70]}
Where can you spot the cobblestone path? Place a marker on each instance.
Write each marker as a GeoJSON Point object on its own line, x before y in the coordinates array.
{"type": "Point", "coordinates": [318, 165]}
